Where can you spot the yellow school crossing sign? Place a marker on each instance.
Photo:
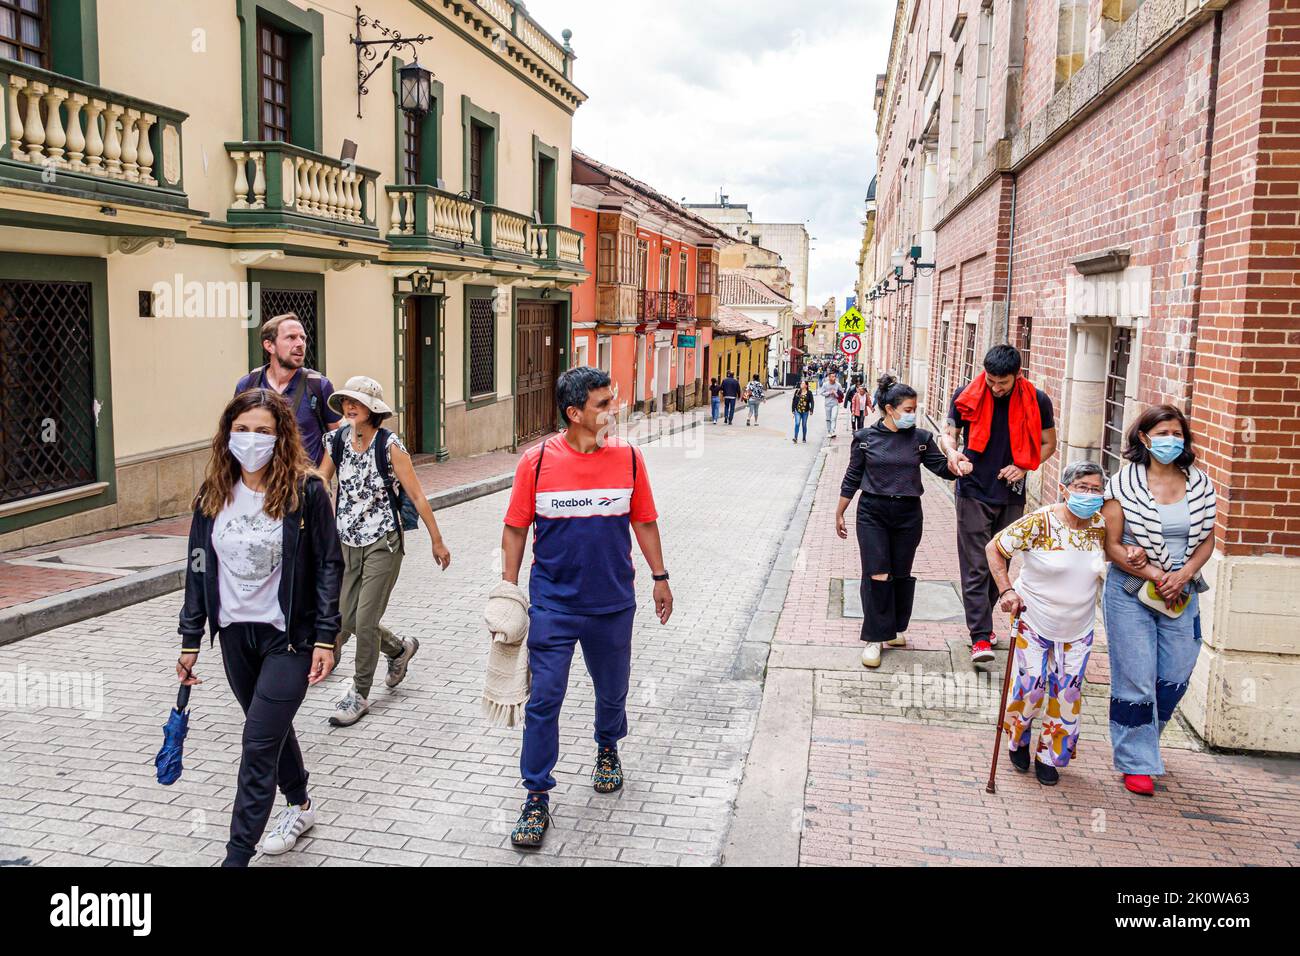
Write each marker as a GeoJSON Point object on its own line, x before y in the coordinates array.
{"type": "Point", "coordinates": [852, 323]}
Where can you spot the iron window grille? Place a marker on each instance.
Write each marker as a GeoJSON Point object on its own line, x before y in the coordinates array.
{"type": "Point", "coordinates": [1025, 339]}
{"type": "Point", "coordinates": [302, 303]}
{"type": "Point", "coordinates": [47, 388]}
{"type": "Point", "coordinates": [482, 347]}
{"type": "Point", "coordinates": [1112, 445]}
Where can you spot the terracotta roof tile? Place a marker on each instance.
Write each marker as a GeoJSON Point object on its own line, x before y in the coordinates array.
{"type": "Point", "coordinates": [735, 288]}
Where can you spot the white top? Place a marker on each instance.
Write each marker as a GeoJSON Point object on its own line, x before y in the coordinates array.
{"type": "Point", "coordinates": [1061, 575]}
{"type": "Point", "coordinates": [249, 545]}
{"type": "Point", "coordinates": [364, 513]}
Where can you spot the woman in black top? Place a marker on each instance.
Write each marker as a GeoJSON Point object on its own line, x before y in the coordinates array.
{"type": "Point", "coordinates": [886, 466]}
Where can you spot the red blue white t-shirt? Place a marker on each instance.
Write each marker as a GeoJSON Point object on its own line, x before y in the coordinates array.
{"type": "Point", "coordinates": [582, 507]}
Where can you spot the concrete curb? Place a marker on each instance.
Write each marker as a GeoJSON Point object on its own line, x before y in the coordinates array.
{"type": "Point", "coordinates": [58, 610]}
{"type": "Point", "coordinates": [767, 822]}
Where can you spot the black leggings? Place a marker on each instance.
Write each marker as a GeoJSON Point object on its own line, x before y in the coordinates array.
{"type": "Point", "coordinates": [270, 682]}
{"type": "Point", "coordinates": [889, 532]}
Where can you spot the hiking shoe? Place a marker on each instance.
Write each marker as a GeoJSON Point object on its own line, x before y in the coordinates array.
{"type": "Point", "coordinates": [981, 652]}
{"type": "Point", "coordinates": [351, 708]}
{"type": "Point", "coordinates": [607, 776]}
{"type": "Point", "coordinates": [397, 665]}
{"type": "Point", "coordinates": [534, 819]}
{"type": "Point", "coordinates": [1020, 759]}
{"type": "Point", "coordinates": [292, 823]}
{"type": "Point", "coordinates": [1047, 775]}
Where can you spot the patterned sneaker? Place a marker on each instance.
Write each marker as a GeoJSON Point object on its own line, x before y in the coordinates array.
{"type": "Point", "coordinates": [397, 665]}
{"type": "Point", "coordinates": [981, 652]}
{"type": "Point", "coordinates": [608, 773]}
{"type": "Point", "coordinates": [292, 823]}
{"type": "Point", "coordinates": [350, 709]}
{"type": "Point", "coordinates": [534, 820]}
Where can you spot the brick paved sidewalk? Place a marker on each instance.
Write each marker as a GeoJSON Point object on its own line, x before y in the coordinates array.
{"type": "Point", "coordinates": [898, 757]}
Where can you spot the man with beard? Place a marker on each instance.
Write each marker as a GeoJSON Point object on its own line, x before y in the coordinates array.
{"type": "Point", "coordinates": [306, 390]}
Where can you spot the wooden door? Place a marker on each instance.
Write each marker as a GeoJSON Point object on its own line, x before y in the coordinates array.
{"type": "Point", "coordinates": [412, 376]}
{"type": "Point", "coordinates": [536, 367]}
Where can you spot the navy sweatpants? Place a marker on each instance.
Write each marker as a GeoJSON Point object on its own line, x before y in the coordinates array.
{"type": "Point", "coordinates": [606, 641]}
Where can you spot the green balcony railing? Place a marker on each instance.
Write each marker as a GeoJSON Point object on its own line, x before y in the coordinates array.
{"type": "Point", "coordinates": [275, 181]}
{"type": "Point", "coordinates": [424, 213]}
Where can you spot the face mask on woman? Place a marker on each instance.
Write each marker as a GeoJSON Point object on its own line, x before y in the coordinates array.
{"type": "Point", "coordinates": [252, 449]}
{"type": "Point", "coordinates": [906, 420]}
{"type": "Point", "coordinates": [1165, 448]}
{"type": "Point", "coordinates": [1084, 506]}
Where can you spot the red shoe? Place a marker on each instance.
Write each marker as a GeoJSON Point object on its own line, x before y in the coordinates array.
{"type": "Point", "coordinates": [981, 652]}
{"type": "Point", "coordinates": [1140, 784]}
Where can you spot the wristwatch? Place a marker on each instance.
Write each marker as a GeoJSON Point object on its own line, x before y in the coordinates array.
{"type": "Point", "coordinates": [660, 577]}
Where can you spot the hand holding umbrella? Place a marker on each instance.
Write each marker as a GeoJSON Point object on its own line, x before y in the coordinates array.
{"type": "Point", "coordinates": [168, 761]}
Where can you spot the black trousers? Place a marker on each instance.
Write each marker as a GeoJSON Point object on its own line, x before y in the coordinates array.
{"type": "Point", "coordinates": [889, 532]}
{"type": "Point", "coordinates": [977, 523]}
{"type": "Point", "coordinates": [269, 679]}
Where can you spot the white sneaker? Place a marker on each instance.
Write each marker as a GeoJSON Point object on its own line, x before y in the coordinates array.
{"type": "Point", "coordinates": [899, 641]}
{"type": "Point", "coordinates": [397, 665]}
{"type": "Point", "coordinates": [871, 654]}
{"type": "Point", "coordinates": [350, 709]}
{"type": "Point", "coordinates": [292, 823]}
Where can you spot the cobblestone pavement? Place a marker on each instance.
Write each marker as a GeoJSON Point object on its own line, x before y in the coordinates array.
{"type": "Point", "coordinates": [421, 780]}
{"type": "Point", "coordinates": [898, 757]}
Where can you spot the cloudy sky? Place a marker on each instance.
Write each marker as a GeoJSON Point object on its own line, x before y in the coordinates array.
{"type": "Point", "coordinates": [768, 101]}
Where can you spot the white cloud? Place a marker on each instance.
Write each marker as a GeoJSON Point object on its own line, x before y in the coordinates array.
{"type": "Point", "coordinates": [767, 101]}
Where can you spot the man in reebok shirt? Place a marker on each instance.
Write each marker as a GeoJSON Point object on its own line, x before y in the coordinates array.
{"type": "Point", "coordinates": [584, 495]}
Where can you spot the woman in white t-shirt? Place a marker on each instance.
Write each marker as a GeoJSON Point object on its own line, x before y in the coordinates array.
{"type": "Point", "coordinates": [1053, 604]}
{"type": "Point", "coordinates": [263, 574]}
{"type": "Point", "coordinates": [370, 529]}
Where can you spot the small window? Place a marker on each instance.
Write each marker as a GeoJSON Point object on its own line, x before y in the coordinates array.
{"type": "Point", "coordinates": [627, 259]}
{"type": "Point", "coordinates": [944, 363]}
{"type": "Point", "coordinates": [605, 264]}
{"type": "Point", "coordinates": [664, 260]}
{"type": "Point", "coordinates": [642, 263]}
{"type": "Point", "coordinates": [413, 130]}
{"type": "Point", "coordinates": [477, 148]}
{"type": "Point", "coordinates": [1112, 444]}
{"type": "Point", "coordinates": [1025, 339]}
{"type": "Point", "coordinates": [968, 355]}
{"type": "Point", "coordinates": [704, 278]}
{"type": "Point", "coordinates": [25, 31]}
{"type": "Point", "coordinates": [482, 347]}
{"type": "Point", "coordinates": [273, 79]}
{"type": "Point", "coordinates": [681, 274]}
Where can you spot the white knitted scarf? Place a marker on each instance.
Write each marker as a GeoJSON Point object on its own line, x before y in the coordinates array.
{"type": "Point", "coordinates": [508, 681]}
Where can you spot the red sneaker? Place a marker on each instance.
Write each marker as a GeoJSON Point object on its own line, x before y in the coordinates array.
{"type": "Point", "coordinates": [981, 652]}
{"type": "Point", "coordinates": [1140, 784]}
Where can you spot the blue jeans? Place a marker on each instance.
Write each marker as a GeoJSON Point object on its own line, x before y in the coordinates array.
{"type": "Point", "coordinates": [715, 406]}
{"type": "Point", "coordinates": [606, 641]}
{"type": "Point", "coordinates": [729, 409]}
{"type": "Point", "coordinates": [801, 421]}
{"type": "Point", "coordinates": [1151, 661]}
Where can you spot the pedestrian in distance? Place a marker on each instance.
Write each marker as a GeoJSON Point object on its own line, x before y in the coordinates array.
{"type": "Point", "coordinates": [284, 342]}
{"type": "Point", "coordinates": [585, 496]}
{"type": "Point", "coordinates": [730, 392]}
{"type": "Point", "coordinates": [1160, 511]}
{"type": "Point", "coordinates": [374, 470]}
{"type": "Point", "coordinates": [753, 398]}
{"type": "Point", "coordinates": [263, 576]}
{"type": "Point", "coordinates": [801, 405]}
{"type": "Point", "coordinates": [1053, 604]}
{"type": "Point", "coordinates": [859, 405]}
{"type": "Point", "coordinates": [715, 400]}
{"type": "Point", "coordinates": [832, 395]}
{"type": "Point", "coordinates": [1006, 427]}
{"type": "Point", "coordinates": [885, 465]}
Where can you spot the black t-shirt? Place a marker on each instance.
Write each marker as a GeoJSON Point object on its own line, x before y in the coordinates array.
{"type": "Point", "coordinates": [715, 389]}
{"type": "Point", "coordinates": [983, 482]}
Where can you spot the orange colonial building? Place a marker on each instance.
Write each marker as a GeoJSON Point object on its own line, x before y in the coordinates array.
{"type": "Point", "coordinates": [645, 313]}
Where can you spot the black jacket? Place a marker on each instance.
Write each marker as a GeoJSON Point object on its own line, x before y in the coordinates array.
{"type": "Point", "coordinates": [794, 402]}
{"type": "Point", "coordinates": [310, 575]}
{"type": "Point", "coordinates": [730, 387]}
{"type": "Point", "coordinates": [885, 462]}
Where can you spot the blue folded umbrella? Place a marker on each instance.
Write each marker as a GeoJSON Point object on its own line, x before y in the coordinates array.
{"type": "Point", "coordinates": [168, 760]}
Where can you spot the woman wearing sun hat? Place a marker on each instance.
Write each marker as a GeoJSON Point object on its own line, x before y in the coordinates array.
{"type": "Point", "coordinates": [370, 530]}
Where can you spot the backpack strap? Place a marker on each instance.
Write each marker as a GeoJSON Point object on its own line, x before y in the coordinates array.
{"type": "Point", "coordinates": [632, 448]}
{"type": "Point", "coordinates": [537, 473]}
{"type": "Point", "coordinates": [250, 380]}
{"type": "Point", "coordinates": [334, 443]}
{"type": "Point", "coordinates": [314, 379]}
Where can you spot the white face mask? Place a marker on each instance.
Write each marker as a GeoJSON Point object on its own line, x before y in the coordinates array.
{"type": "Point", "coordinates": [252, 449]}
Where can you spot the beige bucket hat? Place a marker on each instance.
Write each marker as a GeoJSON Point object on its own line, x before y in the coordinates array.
{"type": "Point", "coordinates": [361, 389]}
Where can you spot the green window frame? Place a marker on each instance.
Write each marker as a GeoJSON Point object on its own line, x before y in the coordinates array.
{"type": "Point", "coordinates": [306, 32]}
{"type": "Point", "coordinates": [490, 123]}
{"type": "Point", "coordinates": [430, 126]}
{"type": "Point", "coordinates": [69, 41]}
{"type": "Point", "coordinates": [546, 172]}
{"type": "Point", "coordinates": [477, 400]}
{"type": "Point", "coordinates": [29, 268]}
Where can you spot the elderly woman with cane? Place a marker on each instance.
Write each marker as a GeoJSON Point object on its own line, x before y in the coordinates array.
{"type": "Point", "coordinates": [1053, 604]}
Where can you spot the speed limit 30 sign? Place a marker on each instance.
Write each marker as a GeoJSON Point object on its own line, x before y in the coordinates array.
{"type": "Point", "coordinates": [850, 345]}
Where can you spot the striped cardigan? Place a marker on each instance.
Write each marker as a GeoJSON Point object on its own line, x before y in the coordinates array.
{"type": "Point", "coordinates": [1129, 487]}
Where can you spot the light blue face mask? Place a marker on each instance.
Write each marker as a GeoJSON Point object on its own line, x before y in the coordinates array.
{"type": "Point", "coordinates": [1165, 448]}
{"type": "Point", "coordinates": [906, 420]}
{"type": "Point", "coordinates": [1084, 506]}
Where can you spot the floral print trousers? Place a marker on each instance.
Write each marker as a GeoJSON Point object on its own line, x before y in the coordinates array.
{"type": "Point", "coordinates": [1047, 685]}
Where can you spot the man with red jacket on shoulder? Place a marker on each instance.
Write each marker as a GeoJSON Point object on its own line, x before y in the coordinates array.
{"type": "Point", "coordinates": [1008, 430]}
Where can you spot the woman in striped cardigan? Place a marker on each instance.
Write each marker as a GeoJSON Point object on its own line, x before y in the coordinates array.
{"type": "Point", "coordinates": [1159, 512]}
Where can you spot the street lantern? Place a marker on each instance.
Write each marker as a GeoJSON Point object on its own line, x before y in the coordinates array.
{"type": "Point", "coordinates": [415, 89]}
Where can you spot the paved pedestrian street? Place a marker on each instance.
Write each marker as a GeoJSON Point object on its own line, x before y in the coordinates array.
{"type": "Point", "coordinates": [422, 780]}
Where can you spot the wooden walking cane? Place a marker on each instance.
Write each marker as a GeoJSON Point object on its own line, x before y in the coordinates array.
{"type": "Point", "coordinates": [1002, 706]}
